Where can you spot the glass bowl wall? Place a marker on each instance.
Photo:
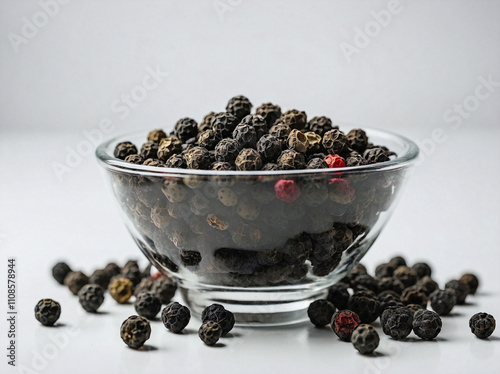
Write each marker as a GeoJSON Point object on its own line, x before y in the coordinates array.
{"type": "Point", "coordinates": [227, 238]}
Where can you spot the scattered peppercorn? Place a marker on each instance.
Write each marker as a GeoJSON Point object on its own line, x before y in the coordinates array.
{"type": "Point", "coordinates": [147, 305]}
{"type": "Point", "coordinates": [47, 311]}
{"type": "Point", "coordinates": [121, 289]}
{"type": "Point", "coordinates": [59, 271]}
{"type": "Point", "coordinates": [460, 289]}
{"type": "Point", "coordinates": [320, 312]}
{"type": "Point", "coordinates": [397, 322]}
{"type": "Point", "coordinates": [75, 280]}
{"type": "Point", "coordinates": [91, 297]}
{"type": "Point", "coordinates": [482, 325]}
{"type": "Point", "coordinates": [443, 301]}
{"type": "Point", "coordinates": [217, 313]}
{"type": "Point", "coordinates": [164, 288]}
{"type": "Point", "coordinates": [406, 275]}
{"type": "Point", "coordinates": [210, 332]}
{"type": "Point", "coordinates": [343, 324]}
{"type": "Point", "coordinates": [427, 324]}
{"type": "Point", "coordinates": [175, 317]}
{"type": "Point", "coordinates": [365, 339]}
{"type": "Point", "coordinates": [471, 281]}
{"type": "Point", "coordinates": [135, 331]}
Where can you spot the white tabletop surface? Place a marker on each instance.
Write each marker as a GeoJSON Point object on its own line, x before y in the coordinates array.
{"type": "Point", "coordinates": [67, 76]}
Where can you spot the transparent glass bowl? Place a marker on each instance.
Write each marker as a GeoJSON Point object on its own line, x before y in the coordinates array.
{"type": "Point", "coordinates": [228, 239]}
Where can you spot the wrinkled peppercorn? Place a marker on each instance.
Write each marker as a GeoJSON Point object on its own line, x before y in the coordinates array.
{"type": "Point", "coordinates": [397, 262]}
{"type": "Point", "coordinates": [471, 281]}
{"type": "Point", "coordinates": [343, 324]}
{"type": "Point", "coordinates": [291, 160]}
{"type": "Point", "coordinates": [248, 159]}
{"type": "Point", "coordinates": [198, 158]}
{"type": "Point", "coordinates": [121, 289]}
{"type": "Point", "coordinates": [365, 305]}
{"type": "Point", "coordinates": [375, 155]}
{"type": "Point", "coordinates": [217, 313]}
{"type": "Point", "coordinates": [208, 139]}
{"type": "Point", "coordinates": [185, 128]}
{"type": "Point", "coordinates": [164, 288]}
{"type": "Point", "coordinates": [338, 295]}
{"type": "Point", "coordinates": [175, 317]}
{"type": "Point", "coordinates": [320, 312]}
{"type": "Point", "coordinates": [334, 161]}
{"type": "Point", "coordinates": [269, 112]}
{"type": "Point", "coordinates": [482, 325]}
{"type": "Point", "coordinates": [422, 269]}
{"type": "Point", "coordinates": [357, 140]}
{"type": "Point", "coordinates": [147, 305]}
{"type": "Point", "coordinates": [168, 147]}
{"type": "Point", "coordinates": [134, 159]}
{"type": "Point", "coordinates": [47, 312]}
{"type": "Point", "coordinates": [239, 106]}
{"type": "Point", "coordinates": [135, 331]}
{"type": "Point", "coordinates": [75, 281]}
{"type": "Point", "coordinates": [91, 297]}
{"type": "Point", "coordinates": [59, 271]}
{"type": "Point", "coordinates": [397, 322]}
{"type": "Point", "coordinates": [461, 290]}
{"type": "Point", "coordinates": [413, 295]}
{"type": "Point", "coordinates": [320, 125]}
{"type": "Point", "coordinates": [334, 141]}
{"type": "Point", "coordinates": [269, 147]}
{"type": "Point", "coordinates": [427, 324]}
{"type": "Point", "coordinates": [297, 141]}
{"type": "Point", "coordinates": [123, 149]}
{"type": "Point", "coordinates": [281, 132]}
{"type": "Point", "coordinates": [258, 123]}
{"type": "Point", "coordinates": [149, 150]}
{"type": "Point", "coordinates": [317, 163]}
{"type": "Point", "coordinates": [443, 301]}
{"type": "Point", "coordinates": [227, 150]}
{"type": "Point", "coordinates": [156, 136]}
{"type": "Point", "coordinates": [245, 135]}
{"type": "Point", "coordinates": [427, 285]}
{"type": "Point", "coordinates": [365, 339]}
{"type": "Point", "coordinates": [210, 332]}
{"type": "Point", "coordinates": [176, 161]}
{"type": "Point", "coordinates": [295, 119]}
{"type": "Point", "coordinates": [223, 124]}
{"type": "Point", "coordinates": [287, 190]}
{"type": "Point", "coordinates": [406, 275]}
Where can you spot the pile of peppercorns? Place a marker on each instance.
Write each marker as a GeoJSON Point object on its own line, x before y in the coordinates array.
{"type": "Point", "coordinates": [254, 230]}
{"type": "Point", "coordinates": [151, 292]}
{"type": "Point", "coordinates": [399, 296]}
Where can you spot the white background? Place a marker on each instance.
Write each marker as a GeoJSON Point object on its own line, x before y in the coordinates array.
{"type": "Point", "coordinates": [429, 58]}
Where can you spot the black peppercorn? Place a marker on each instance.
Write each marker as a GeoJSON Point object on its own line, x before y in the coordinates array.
{"type": "Point", "coordinates": [365, 339]}
{"type": "Point", "coordinates": [153, 162]}
{"type": "Point", "coordinates": [338, 295]}
{"type": "Point", "coordinates": [59, 271]}
{"type": "Point", "coordinates": [334, 141]}
{"type": "Point", "coordinates": [427, 324]}
{"type": "Point", "coordinates": [270, 167]}
{"type": "Point", "coordinates": [168, 147]}
{"type": "Point", "coordinates": [397, 262]}
{"type": "Point", "coordinates": [206, 123]}
{"type": "Point", "coordinates": [245, 135]}
{"type": "Point", "coordinates": [297, 141]}
{"type": "Point", "coordinates": [47, 311]}
{"type": "Point", "coordinates": [422, 269]}
{"type": "Point", "coordinates": [176, 161]}
{"type": "Point", "coordinates": [175, 317]}
{"type": "Point", "coordinates": [471, 281]}
{"type": "Point", "coordinates": [317, 163]}
{"type": "Point", "coordinates": [198, 158]}
{"type": "Point", "coordinates": [390, 283]}
{"type": "Point", "coordinates": [91, 297]}
{"type": "Point", "coordinates": [149, 150]}
{"type": "Point", "coordinates": [291, 160]}
{"type": "Point", "coordinates": [134, 159]}
{"type": "Point", "coordinates": [156, 136]}
{"type": "Point", "coordinates": [281, 132]}
{"type": "Point", "coordinates": [223, 124]}
{"type": "Point", "coordinates": [443, 301]}
{"type": "Point", "coordinates": [365, 305]}
{"type": "Point", "coordinates": [248, 159]}
{"type": "Point", "coordinates": [357, 140]}
{"type": "Point", "coordinates": [413, 295]}
{"type": "Point", "coordinates": [269, 112]}
{"type": "Point", "coordinates": [406, 275]}
{"type": "Point", "coordinates": [320, 125]}
{"type": "Point", "coordinates": [210, 332]}
{"type": "Point", "coordinates": [375, 155]}
{"type": "Point", "coordinates": [295, 119]}
{"type": "Point", "coordinates": [135, 331]}
{"type": "Point", "coordinates": [147, 304]}
{"type": "Point", "coordinates": [239, 106]}
{"type": "Point", "coordinates": [123, 149]}
{"type": "Point", "coordinates": [227, 150]}
{"type": "Point", "coordinates": [185, 128]}
{"type": "Point", "coordinates": [427, 285]}
{"type": "Point", "coordinates": [217, 313]}
{"type": "Point", "coordinates": [482, 325]}
{"type": "Point", "coordinates": [208, 139]}
{"type": "Point", "coordinates": [75, 281]}
{"type": "Point", "coordinates": [164, 288]}
{"type": "Point", "coordinates": [112, 269]}
{"type": "Point", "coordinates": [320, 312]}
{"type": "Point", "coordinates": [364, 282]}
{"type": "Point", "coordinates": [397, 322]}
{"type": "Point", "coordinates": [190, 258]}
{"type": "Point", "coordinates": [269, 147]}
{"type": "Point", "coordinates": [461, 290]}
{"type": "Point", "coordinates": [131, 271]}
{"type": "Point", "coordinates": [384, 270]}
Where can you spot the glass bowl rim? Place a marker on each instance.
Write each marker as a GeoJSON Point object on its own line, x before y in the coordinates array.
{"type": "Point", "coordinates": [112, 163]}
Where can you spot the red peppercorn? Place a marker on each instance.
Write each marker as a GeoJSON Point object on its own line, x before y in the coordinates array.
{"type": "Point", "coordinates": [334, 161]}
{"type": "Point", "coordinates": [344, 322]}
{"type": "Point", "coordinates": [286, 190]}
